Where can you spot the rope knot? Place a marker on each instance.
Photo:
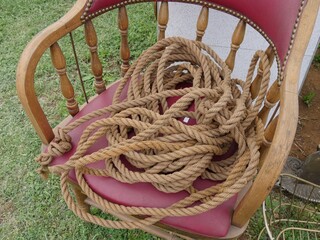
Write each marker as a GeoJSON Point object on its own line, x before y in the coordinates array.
{"type": "Point", "coordinates": [44, 159]}
{"type": "Point", "coordinates": [61, 136]}
{"type": "Point", "coordinates": [57, 147]}
{"type": "Point", "coordinates": [184, 119]}
{"type": "Point", "coordinates": [43, 172]}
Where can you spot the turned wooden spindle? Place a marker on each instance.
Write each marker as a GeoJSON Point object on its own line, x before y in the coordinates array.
{"type": "Point", "coordinates": [237, 39]}
{"type": "Point", "coordinates": [268, 137]}
{"type": "Point", "coordinates": [96, 67]}
{"type": "Point", "coordinates": [255, 86]}
{"type": "Point", "coordinates": [202, 23]}
{"type": "Point", "coordinates": [59, 63]}
{"type": "Point", "coordinates": [155, 9]}
{"type": "Point", "coordinates": [124, 47]}
{"type": "Point", "coordinates": [273, 96]}
{"type": "Point", "coordinates": [163, 19]}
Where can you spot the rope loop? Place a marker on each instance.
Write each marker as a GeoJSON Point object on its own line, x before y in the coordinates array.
{"type": "Point", "coordinates": [182, 111]}
{"type": "Point", "coordinates": [57, 147]}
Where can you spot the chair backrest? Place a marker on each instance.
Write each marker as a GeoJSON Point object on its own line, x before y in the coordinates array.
{"type": "Point", "coordinates": [262, 15]}
{"type": "Point", "coordinates": [285, 24]}
{"type": "Point", "coordinates": [275, 20]}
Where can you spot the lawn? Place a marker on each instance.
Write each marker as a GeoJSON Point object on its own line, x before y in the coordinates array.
{"type": "Point", "coordinates": [31, 208]}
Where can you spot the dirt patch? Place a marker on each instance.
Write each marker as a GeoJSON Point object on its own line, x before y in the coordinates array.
{"type": "Point", "coordinates": [6, 209]}
{"type": "Point", "coordinates": [308, 131]}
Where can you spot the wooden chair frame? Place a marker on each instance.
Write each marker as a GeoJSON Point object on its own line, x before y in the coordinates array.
{"type": "Point", "coordinates": [273, 158]}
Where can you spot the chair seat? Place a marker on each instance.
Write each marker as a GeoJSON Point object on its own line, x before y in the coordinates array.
{"type": "Point", "coordinates": [213, 223]}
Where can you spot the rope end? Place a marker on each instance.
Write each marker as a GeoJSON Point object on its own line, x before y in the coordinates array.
{"type": "Point", "coordinates": [43, 172]}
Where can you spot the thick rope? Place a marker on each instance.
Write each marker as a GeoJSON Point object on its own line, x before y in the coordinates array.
{"type": "Point", "coordinates": [153, 137]}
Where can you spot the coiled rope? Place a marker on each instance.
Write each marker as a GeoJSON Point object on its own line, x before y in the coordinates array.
{"type": "Point", "coordinates": [152, 137]}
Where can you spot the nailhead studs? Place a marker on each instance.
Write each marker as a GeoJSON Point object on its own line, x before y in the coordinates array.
{"type": "Point", "coordinates": [281, 67]}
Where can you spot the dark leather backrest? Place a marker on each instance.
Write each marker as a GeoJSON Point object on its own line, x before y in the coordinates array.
{"type": "Point", "coordinates": [275, 19]}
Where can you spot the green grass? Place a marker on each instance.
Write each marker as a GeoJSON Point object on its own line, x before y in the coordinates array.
{"type": "Point", "coordinates": [316, 59]}
{"type": "Point", "coordinates": [301, 213]}
{"type": "Point", "coordinates": [308, 98]}
{"type": "Point", "coordinates": [29, 207]}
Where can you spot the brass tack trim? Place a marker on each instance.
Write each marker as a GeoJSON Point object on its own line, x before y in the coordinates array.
{"type": "Point", "coordinates": [86, 16]}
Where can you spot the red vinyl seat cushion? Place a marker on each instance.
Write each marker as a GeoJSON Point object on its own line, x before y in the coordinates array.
{"type": "Point", "coordinates": [214, 223]}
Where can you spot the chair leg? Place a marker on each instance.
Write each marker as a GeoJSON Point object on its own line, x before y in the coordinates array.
{"type": "Point", "coordinates": [80, 197]}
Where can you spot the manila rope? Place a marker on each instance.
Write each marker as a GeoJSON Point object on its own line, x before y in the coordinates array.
{"type": "Point", "coordinates": [152, 137]}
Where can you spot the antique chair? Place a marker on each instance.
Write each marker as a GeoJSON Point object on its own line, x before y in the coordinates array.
{"type": "Point", "coordinates": [286, 25]}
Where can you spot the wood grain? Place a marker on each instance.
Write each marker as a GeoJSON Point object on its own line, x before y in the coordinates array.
{"type": "Point", "coordinates": [202, 23]}
{"type": "Point", "coordinates": [287, 122]}
{"type": "Point", "coordinates": [163, 19]}
{"type": "Point", "coordinates": [28, 63]}
{"type": "Point", "coordinates": [96, 66]}
{"type": "Point", "coordinates": [123, 23]}
{"type": "Point", "coordinates": [59, 62]}
{"type": "Point", "coordinates": [237, 39]}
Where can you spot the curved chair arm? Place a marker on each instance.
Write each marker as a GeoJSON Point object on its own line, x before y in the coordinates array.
{"type": "Point", "coordinates": [28, 63]}
{"type": "Point", "coordinates": [279, 150]}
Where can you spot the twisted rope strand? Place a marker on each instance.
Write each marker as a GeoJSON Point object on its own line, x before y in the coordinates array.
{"type": "Point", "coordinates": [155, 138]}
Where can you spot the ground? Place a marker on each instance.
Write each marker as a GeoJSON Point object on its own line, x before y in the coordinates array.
{"type": "Point", "coordinates": [33, 209]}
{"type": "Point", "coordinates": [308, 130]}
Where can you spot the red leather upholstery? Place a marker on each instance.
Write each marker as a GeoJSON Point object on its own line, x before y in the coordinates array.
{"type": "Point", "coordinates": [275, 17]}
{"type": "Point", "coordinates": [214, 223]}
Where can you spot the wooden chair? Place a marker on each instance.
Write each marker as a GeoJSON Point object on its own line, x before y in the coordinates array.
{"type": "Point", "coordinates": [286, 25]}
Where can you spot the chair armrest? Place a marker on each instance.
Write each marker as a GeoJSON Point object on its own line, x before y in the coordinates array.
{"type": "Point", "coordinates": [276, 156]}
{"type": "Point", "coordinates": [28, 63]}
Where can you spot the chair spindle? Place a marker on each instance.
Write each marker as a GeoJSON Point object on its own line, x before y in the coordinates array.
{"type": "Point", "coordinates": [155, 9]}
{"type": "Point", "coordinates": [237, 39]}
{"type": "Point", "coordinates": [273, 96]}
{"type": "Point", "coordinates": [202, 23]}
{"type": "Point", "coordinates": [268, 137]}
{"type": "Point", "coordinates": [124, 47]}
{"type": "Point", "coordinates": [163, 19]}
{"type": "Point", "coordinates": [59, 62]}
{"type": "Point", "coordinates": [96, 67]}
{"type": "Point", "coordinates": [255, 86]}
